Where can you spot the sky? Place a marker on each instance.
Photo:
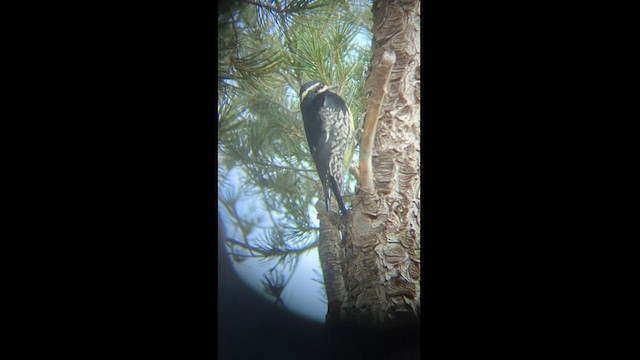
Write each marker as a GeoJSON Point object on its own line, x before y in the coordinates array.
{"type": "Point", "coordinates": [302, 295]}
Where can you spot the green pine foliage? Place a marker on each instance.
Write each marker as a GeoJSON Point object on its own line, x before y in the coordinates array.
{"type": "Point", "coordinates": [266, 51]}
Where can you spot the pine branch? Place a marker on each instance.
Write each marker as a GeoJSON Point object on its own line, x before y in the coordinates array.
{"type": "Point", "coordinates": [270, 252]}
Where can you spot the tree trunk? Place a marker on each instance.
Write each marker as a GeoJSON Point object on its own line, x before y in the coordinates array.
{"type": "Point", "coordinates": [381, 265]}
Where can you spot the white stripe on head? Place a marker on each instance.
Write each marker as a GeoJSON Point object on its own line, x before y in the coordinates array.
{"type": "Point", "coordinates": [323, 89]}
{"type": "Point", "coordinates": [313, 87]}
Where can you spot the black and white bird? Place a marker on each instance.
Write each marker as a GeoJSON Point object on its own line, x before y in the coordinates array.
{"type": "Point", "coordinates": [329, 128]}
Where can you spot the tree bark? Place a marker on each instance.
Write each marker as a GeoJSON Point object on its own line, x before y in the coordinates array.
{"type": "Point", "coordinates": [331, 253]}
{"type": "Point", "coordinates": [381, 268]}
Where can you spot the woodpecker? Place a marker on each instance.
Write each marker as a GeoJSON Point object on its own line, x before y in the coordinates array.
{"type": "Point", "coordinates": [329, 128]}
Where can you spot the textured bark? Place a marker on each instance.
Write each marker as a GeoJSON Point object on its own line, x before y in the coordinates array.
{"type": "Point", "coordinates": [331, 253]}
{"type": "Point", "coordinates": [381, 268]}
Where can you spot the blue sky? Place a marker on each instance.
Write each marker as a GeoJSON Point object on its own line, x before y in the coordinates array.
{"type": "Point", "coordinates": [302, 295]}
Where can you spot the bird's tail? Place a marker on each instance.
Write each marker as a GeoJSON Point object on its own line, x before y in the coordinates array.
{"type": "Point", "coordinates": [336, 192]}
{"type": "Point", "coordinates": [327, 196]}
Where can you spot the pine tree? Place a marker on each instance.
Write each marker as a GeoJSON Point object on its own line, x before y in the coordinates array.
{"type": "Point", "coordinates": [266, 51]}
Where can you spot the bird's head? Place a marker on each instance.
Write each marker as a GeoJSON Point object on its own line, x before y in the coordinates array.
{"type": "Point", "coordinates": [309, 91]}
